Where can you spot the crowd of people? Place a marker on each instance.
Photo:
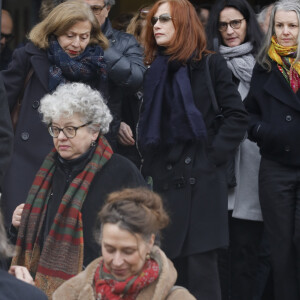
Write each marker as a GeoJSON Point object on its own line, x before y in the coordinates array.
{"type": "Point", "coordinates": [158, 160]}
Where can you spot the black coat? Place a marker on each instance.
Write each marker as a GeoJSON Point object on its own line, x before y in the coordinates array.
{"type": "Point", "coordinates": [6, 133]}
{"type": "Point", "coordinates": [12, 288]}
{"type": "Point", "coordinates": [191, 176]}
{"type": "Point", "coordinates": [32, 141]}
{"type": "Point", "coordinates": [125, 69]}
{"type": "Point", "coordinates": [275, 116]}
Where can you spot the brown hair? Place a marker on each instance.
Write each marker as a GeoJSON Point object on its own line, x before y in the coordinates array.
{"type": "Point", "coordinates": [61, 19]}
{"type": "Point", "coordinates": [189, 38]}
{"type": "Point", "coordinates": [139, 211]}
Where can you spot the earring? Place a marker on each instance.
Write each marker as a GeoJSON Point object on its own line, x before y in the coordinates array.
{"type": "Point", "coordinates": [148, 256]}
{"type": "Point", "coordinates": [93, 144]}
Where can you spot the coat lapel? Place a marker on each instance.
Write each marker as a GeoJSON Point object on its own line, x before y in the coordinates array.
{"type": "Point", "coordinates": [278, 87]}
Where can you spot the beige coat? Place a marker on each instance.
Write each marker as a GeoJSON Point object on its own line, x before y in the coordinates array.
{"type": "Point", "coordinates": [81, 286]}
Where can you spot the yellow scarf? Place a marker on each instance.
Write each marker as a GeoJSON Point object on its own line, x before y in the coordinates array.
{"type": "Point", "coordinates": [285, 59]}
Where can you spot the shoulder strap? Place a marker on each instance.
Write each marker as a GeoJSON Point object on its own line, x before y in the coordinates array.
{"type": "Point", "coordinates": [215, 105]}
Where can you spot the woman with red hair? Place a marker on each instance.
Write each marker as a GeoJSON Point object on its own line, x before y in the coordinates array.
{"type": "Point", "coordinates": [184, 147]}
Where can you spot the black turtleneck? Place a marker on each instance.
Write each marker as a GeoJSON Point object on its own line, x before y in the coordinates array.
{"type": "Point", "coordinates": [70, 168]}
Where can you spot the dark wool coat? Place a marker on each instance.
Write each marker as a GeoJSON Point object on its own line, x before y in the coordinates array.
{"type": "Point", "coordinates": [32, 141]}
{"type": "Point", "coordinates": [6, 133]}
{"type": "Point", "coordinates": [275, 116]}
{"type": "Point", "coordinates": [190, 177]}
{"type": "Point", "coordinates": [12, 288]}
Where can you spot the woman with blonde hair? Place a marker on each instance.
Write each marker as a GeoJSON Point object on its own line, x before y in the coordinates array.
{"type": "Point", "coordinates": [67, 46]}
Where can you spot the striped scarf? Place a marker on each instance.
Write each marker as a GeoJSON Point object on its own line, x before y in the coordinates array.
{"type": "Point", "coordinates": [285, 59]}
{"type": "Point", "coordinates": [62, 254]}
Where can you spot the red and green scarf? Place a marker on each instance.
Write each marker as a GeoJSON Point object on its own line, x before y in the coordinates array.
{"type": "Point", "coordinates": [108, 288]}
{"type": "Point", "coordinates": [62, 254]}
{"type": "Point", "coordinates": [285, 59]}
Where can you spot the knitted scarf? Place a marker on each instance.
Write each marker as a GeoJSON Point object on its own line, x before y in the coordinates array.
{"type": "Point", "coordinates": [83, 68]}
{"type": "Point", "coordinates": [169, 114]}
{"type": "Point", "coordinates": [62, 254]}
{"type": "Point", "coordinates": [285, 59]}
{"type": "Point", "coordinates": [108, 288]}
{"type": "Point", "coordinates": [241, 62]}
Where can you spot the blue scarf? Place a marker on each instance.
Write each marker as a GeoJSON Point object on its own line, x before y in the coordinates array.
{"type": "Point", "coordinates": [86, 67]}
{"type": "Point", "coordinates": [169, 115]}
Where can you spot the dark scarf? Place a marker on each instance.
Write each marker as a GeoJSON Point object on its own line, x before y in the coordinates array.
{"type": "Point", "coordinates": [85, 67]}
{"type": "Point", "coordinates": [108, 288]}
{"type": "Point", "coordinates": [62, 255]}
{"type": "Point", "coordinates": [169, 114]}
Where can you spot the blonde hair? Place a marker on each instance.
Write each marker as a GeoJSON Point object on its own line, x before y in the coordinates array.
{"type": "Point", "coordinates": [61, 19]}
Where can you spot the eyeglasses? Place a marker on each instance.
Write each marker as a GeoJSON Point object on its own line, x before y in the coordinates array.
{"type": "Point", "coordinates": [8, 37]}
{"type": "Point", "coordinates": [69, 131]}
{"type": "Point", "coordinates": [164, 18]}
{"type": "Point", "coordinates": [234, 24]}
{"type": "Point", "coordinates": [97, 9]}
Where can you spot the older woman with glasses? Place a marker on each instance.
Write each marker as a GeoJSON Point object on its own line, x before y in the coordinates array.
{"type": "Point", "coordinates": [184, 151]}
{"type": "Point", "coordinates": [67, 46]}
{"type": "Point", "coordinates": [55, 225]}
{"type": "Point", "coordinates": [233, 32]}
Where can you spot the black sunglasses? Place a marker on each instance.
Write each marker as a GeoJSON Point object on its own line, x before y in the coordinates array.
{"type": "Point", "coordinates": [164, 18]}
{"type": "Point", "coordinates": [8, 37]}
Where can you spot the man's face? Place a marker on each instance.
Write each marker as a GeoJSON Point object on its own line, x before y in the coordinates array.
{"type": "Point", "coordinates": [101, 15]}
{"type": "Point", "coordinates": [6, 28]}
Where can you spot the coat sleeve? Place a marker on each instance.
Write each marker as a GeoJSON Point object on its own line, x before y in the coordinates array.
{"type": "Point", "coordinates": [6, 133]}
{"type": "Point", "coordinates": [126, 68]}
{"type": "Point", "coordinates": [14, 77]}
{"type": "Point", "coordinates": [235, 122]}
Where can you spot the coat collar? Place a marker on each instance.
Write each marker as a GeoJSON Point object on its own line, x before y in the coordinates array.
{"type": "Point", "coordinates": [40, 63]}
{"type": "Point", "coordinates": [278, 87]}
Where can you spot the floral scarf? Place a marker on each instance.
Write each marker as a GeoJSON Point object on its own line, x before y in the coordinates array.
{"type": "Point", "coordinates": [108, 288]}
{"type": "Point", "coordinates": [285, 59]}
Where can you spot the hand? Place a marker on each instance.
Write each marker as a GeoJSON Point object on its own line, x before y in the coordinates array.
{"type": "Point", "coordinates": [16, 218]}
{"type": "Point", "coordinates": [21, 273]}
{"type": "Point", "coordinates": [125, 136]}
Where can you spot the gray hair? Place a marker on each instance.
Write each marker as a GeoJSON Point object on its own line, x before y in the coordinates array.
{"type": "Point", "coordinates": [285, 5]}
{"type": "Point", "coordinates": [80, 98]}
{"type": "Point", "coordinates": [6, 249]}
{"type": "Point", "coordinates": [261, 16]}
{"type": "Point", "coordinates": [110, 2]}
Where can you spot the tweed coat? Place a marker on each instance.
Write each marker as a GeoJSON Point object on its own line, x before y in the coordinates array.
{"type": "Point", "coordinates": [32, 141]}
{"type": "Point", "coordinates": [81, 287]}
{"type": "Point", "coordinates": [191, 177]}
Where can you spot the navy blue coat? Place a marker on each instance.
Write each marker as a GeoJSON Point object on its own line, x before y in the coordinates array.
{"type": "Point", "coordinates": [275, 116]}
{"type": "Point", "coordinates": [191, 176]}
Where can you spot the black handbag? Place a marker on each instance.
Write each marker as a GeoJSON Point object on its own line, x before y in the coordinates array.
{"type": "Point", "coordinates": [219, 118]}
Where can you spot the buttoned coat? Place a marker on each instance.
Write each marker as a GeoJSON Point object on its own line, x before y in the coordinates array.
{"type": "Point", "coordinates": [191, 176]}
{"type": "Point", "coordinates": [275, 116]}
{"type": "Point", "coordinates": [32, 141]}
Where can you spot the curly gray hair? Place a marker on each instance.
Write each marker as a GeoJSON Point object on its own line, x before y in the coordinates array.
{"type": "Point", "coordinates": [80, 98]}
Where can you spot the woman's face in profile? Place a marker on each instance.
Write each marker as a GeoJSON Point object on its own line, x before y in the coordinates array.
{"type": "Point", "coordinates": [286, 26]}
{"type": "Point", "coordinates": [163, 28]}
{"type": "Point", "coordinates": [75, 40]}
{"type": "Point", "coordinates": [232, 27]}
{"type": "Point", "coordinates": [124, 254]}
{"type": "Point", "coordinates": [75, 145]}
